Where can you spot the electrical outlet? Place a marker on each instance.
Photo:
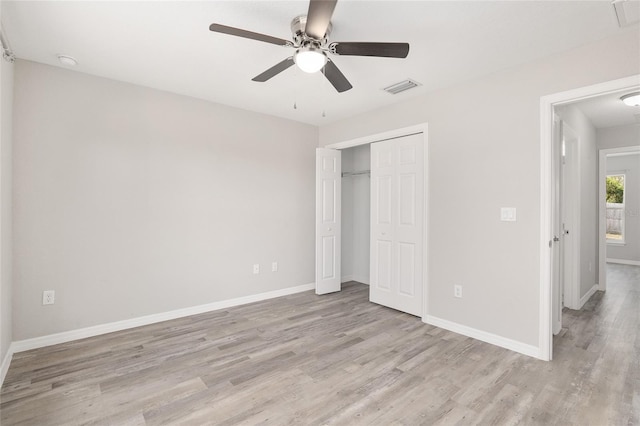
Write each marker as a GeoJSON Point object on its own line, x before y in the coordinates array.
{"type": "Point", "coordinates": [508, 214]}
{"type": "Point", "coordinates": [274, 267]}
{"type": "Point", "coordinates": [48, 297]}
{"type": "Point", "coordinates": [457, 291]}
{"type": "Point", "coordinates": [256, 268]}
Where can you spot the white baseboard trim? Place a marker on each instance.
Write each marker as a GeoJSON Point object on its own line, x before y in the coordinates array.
{"type": "Point", "coordinates": [347, 278]}
{"type": "Point", "coordinates": [494, 339]}
{"type": "Point", "coordinates": [67, 336]}
{"type": "Point", "coordinates": [589, 293]}
{"type": "Point", "coordinates": [624, 261]}
{"type": "Point", "coordinates": [6, 361]}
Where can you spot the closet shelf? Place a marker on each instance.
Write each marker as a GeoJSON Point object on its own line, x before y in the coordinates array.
{"type": "Point", "coordinates": [358, 173]}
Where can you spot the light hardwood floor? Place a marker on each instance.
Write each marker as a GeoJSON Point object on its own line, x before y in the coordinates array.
{"type": "Point", "coordinates": [335, 359]}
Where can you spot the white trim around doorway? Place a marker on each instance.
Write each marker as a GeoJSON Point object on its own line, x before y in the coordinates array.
{"type": "Point", "coordinates": [547, 104]}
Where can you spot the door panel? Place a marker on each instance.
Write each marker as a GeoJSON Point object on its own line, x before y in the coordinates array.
{"type": "Point", "coordinates": [329, 196]}
{"type": "Point", "coordinates": [397, 223]}
{"type": "Point", "coordinates": [383, 265]}
{"type": "Point", "coordinates": [328, 253]}
{"type": "Point", "coordinates": [407, 201]}
{"type": "Point", "coordinates": [328, 220]}
{"type": "Point", "coordinates": [407, 267]}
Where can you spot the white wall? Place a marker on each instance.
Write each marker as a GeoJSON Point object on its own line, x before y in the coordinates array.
{"type": "Point", "coordinates": [130, 201]}
{"type": "Point", "coordinates": [618, 137]}
{"type": "Point", "coordinates": [484, 153]}
{"type": "Point", "coordinates": [6, 106]}
{"type": "Point", "coordinates": [588, 209]}
{"type": "Point", "coordinates": [630, 166]}
{"type": "Point", "coordinates": [356, 202]}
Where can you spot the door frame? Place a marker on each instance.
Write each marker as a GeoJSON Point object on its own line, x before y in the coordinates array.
{"type": "Point", "coordinates": [602, 208]}
{"type": "Point", "coordinates": [547, 105]}
{"type": "Point", "coordinates": [393, 134]}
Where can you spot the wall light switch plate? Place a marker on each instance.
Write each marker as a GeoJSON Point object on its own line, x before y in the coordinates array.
{"type": "Point", "coordinates": [48, 297]}
{"type": "Point", "coordinates": [508, 214]}
{"type": "Point", "coordinates": [256, 268]}
{"type": "Point", "coordinates": [457, 291]}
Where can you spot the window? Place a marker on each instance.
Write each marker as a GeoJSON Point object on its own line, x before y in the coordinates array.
{"type": "Point", "coordinates": [615, 208]}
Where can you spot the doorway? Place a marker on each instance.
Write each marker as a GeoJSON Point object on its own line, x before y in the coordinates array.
{"type": "Point", "coordinates": [549, 235]}
{"type": "Point", "coordinates": [617, 243]}
{"type": "Point", "coordinates": [347, 246]}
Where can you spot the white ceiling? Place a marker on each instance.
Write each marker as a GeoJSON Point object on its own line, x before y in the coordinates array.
{"type": "Point", "coordinates": [167, 45]}
{"type": "Point", "coordinates": [609, 111]}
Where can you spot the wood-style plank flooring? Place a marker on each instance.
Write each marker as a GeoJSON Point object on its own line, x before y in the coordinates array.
{"type": "Point", "coordinates": [334, 359]}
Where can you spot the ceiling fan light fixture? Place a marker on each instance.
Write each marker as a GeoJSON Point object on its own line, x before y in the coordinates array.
{"type": "Point", "coordinates": [631, 99]}
{"type": "Point", "coordinates": [310, 59]}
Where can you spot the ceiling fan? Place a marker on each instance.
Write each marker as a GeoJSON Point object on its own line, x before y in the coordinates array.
{"type": "Point", "coordinates": [310, 39]}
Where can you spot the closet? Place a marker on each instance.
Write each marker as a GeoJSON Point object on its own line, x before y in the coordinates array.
{"type": "Point", "coordinates": [356, 213]}
{"type": "Point", "coordinates": [370, 219]}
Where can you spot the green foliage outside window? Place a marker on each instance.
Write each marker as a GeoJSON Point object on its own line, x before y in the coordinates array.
{"type": "Point", "coordinates": [615, 189]}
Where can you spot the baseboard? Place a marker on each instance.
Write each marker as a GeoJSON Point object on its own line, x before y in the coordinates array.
{"type": "Point", "coordinates": [6, 361]}
{"type": "Point", "coordinates": [347, 278]}
{"type": "Point", "coordinates": [624, 261]}
{"type": "Point", "coordinates": [589, 293]}
{"type": "Point", "coordinates": [494, 339]}
{"type": "Point", "coordinates": [67, 336]}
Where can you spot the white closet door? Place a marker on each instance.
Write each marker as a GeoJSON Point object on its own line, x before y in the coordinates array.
{"type": "Point", "coordinates": [328, 218]}
{"type": "Point", "coordinates": [397, 234]}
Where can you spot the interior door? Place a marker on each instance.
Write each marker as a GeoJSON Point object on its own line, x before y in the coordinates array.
{"type": "Point", "coordinates": [397, 188]}
{"type": "Point", "coordinates": [554, 244]}
{"type": "Point", "coordinates": [328, 199]}
{"type": "Point", "coordinates": [570, 222]}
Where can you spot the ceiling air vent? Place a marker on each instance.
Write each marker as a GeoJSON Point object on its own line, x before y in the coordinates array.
{"type": "Point", "coordinates": [407, 84]}
{"type": "Point", "coordinates": [627, 12]}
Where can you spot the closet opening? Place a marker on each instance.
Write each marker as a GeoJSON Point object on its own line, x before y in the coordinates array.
{"type": "Point", "coordinates": [356, 214]}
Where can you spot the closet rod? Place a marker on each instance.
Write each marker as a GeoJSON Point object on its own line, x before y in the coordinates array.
{"type": "Point", "coordinates": [361, 172]}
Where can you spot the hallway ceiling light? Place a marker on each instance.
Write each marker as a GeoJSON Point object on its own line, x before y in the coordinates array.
{"type": "Point", "coordinates": [67, 60]}
{"type": "Point", "coordinates": [631, 99]}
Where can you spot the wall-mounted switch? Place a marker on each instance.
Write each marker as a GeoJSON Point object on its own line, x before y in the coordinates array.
{"type": "Point", "coordinates": [457, 291]}
{"type": "Point", "coordinates": [256, 268]}
{"type": "Point", "coordinates": [48, 297]}
{"type": "Point", "coordinates": [274, 267]}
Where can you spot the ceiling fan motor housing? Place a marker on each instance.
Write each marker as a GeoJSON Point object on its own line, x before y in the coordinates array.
{"type": "Point", "coordinates": [300, 37]}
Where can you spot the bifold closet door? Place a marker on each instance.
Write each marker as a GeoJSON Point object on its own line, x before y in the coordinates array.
{"type": "Point", "coordinates": [328, 220]}
{"type": "Point", "coordinates": [397, 234]}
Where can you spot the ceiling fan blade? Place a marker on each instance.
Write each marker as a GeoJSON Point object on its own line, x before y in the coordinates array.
{"type": "Point", "coordinates": [335, 77]}
{"type": "Point", "coordinates": [248, 34]}
{"type": "Point", "coordinates": [385, 50]}
{"type": "Point", "coordinates": [274, 70]}
{"type": "Point", "coordinates": [319, 17]}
